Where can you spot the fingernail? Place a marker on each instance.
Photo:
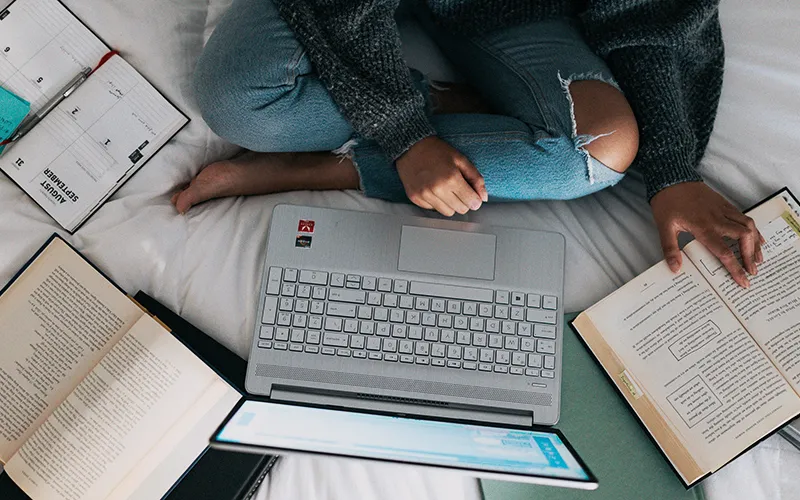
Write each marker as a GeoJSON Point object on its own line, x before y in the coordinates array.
{"type": "Point", "coordinates": [746, 283]}
{"type": "Point", "coordinates": [475, 205]}
{"type": "Point", "coordinates": [673, 265]}
{"type": "Point", "coordinates": [485, 197]}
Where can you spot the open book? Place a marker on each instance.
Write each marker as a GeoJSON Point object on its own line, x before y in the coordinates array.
{"type": "Point", "coordinates": [98, 399]}
{"type": "Point", "coordinates": [98, 137]}
{"type": "Point", "coordinates": [710, 368]}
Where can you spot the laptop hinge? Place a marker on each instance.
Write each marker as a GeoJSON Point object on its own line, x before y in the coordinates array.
{"type": "Point", "coordinates": [401, 406]}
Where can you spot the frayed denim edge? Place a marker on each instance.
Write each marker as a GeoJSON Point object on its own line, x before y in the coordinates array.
{"type": "Point", "coordinates": [581, 141]}
{"type": "Point", "coordinates": [345, 152]}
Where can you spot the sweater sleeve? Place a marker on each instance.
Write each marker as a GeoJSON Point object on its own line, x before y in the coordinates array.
{"type": "Point", "coordinates": [355, 47]}
{"type": "Point", "coordinates": [667, 56]}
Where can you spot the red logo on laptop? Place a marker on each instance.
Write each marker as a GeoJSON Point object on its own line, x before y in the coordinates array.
{"type": "Point", "coordinates": [305, 226]}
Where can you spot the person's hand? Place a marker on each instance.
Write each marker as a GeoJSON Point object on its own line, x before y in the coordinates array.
{"type": "Point", "coordinates": [695, 208]}
{"type": "Point", "coordinates": [437, 176]}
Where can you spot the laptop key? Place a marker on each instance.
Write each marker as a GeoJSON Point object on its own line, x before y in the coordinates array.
{"type": "Point", "coordinates": [550, 302]}
{"type": "Point", "coordinates": [288, 289]}
{"type": "Point", "coordinates": [501, 369]}
{"type": "Point", "coordinates": [423, 348]}
{"type": "Point", "coordinates": [415, 333]}
{"type": "Point", "coordinates": [266, 332]}
{"type": "Point", "coordinates": [304, 291]}
{"type": "Point", "coordinates": [405, 358]}
{"type": "Point", "coordinates": [312, 337]}
{"type": "Point", "coordinates": [437, 362]}
{"type": "Point", "coordinates": [319, 293]}
{"type": "Point", "coordinates": [265, 344]}
{"type": "Point", "coordinates": [329, 351]}
{"type": "Point", "coordinates": [453, 364]}
{"type": "Point", "coordinates": [360, 354]}
{"type": "Point", "coordinates": [368, 283]}
{"type": "Point", "coordinates": [296, 347]}
{"type": "Point", "coordinates": [448, 336]}
{"type": "Point", "coordinates": [337, 280]}
{"type": "Point", "coordinates": [453, 307]}
{"type": "Point", "coordinates": [518, 314]}
{"type": "Point", "coordinates": [314, 277]}
{"type": "Point", "coordinates": [274, 281]}
{"type": "Point", "coordinates": [390, 345]}
{"type": "Point", "coordinates": [376, 355]}
{"type": "Point", "coordinates": [550, 362]}
{"type": "Point", "coordinates": [351, 326]}
{"type": "Point", "coordinates": [284, 319]}
{"type": "Point", "coordinates": [518, 358]}
{"type": "Point", "coordinates": [531, 372]}
{"type": "Point", "coordinates": [548, 374]}
{"type": "Point", "coordinates": [546, 346]}
{"type": "Point", "coordinates": [357, 342]}
{"type": "Point", "coordinates": [298, 336]}
{"type": "Point", "coordinates": [517, 299]}
{"type": "Point", "coordinates": [484, 367]}
{"type": "Point", "coordinates": [390, 357]}
{"type": "Point", "coordinates": [524, 330]}
{"type": "Point", "coordinates": [290, 275]}
{"type": "Point", "coordinates": [373, 344]}
{"type": "Point", "coordinates": [501, 297]}
{"type": "Point", "coordinates": [374, 298]}
{"type": "Point", "coordinates": [479, 339]}
{"type": "Point", "coordinates": [422, 361]}
{"type": "Point", "coordinates": [535, 360]}
{"type": "Point", "coordinates": [335, 339]}
{"type": "Point", "coordinates": [544, 331]}
{"type": "Point", "coordinates": [315, 322]}
{"type": "Point", "coordinates": [349, 296]}
{"type": "Point", "coordinates": [334, 324]}
{"type": "Point", "coordinates": [281, 346]}
{"type": "Point", "coordinates": [345, 353]}
{"type": "Point", "coordinates": [470, 353]}
{"type": "Point", "coordinates": [437, 305]}
{"type": "Point", "coordinates": [312, 349]}
{"type": "Point", "coordinates": [384, 284]}
{"type": "Point", "coordinates": [540, 316]}
{"type": "Point", "coordinates": [437, 350]}
{"type": "Point", "coordinates": [282, 334]}
{"type": "Point", "coordinates": [469, 365]}
{"type": "Point", "coordinates": [516, 370]}
{"type": "Point", "coordinates": [270, 310]}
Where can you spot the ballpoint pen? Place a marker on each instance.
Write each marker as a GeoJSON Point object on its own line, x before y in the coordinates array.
{"type": "Point", "coordinates": [33, 120]}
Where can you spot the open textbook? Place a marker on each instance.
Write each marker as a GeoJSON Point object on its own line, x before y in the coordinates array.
{"type": "Point", "coordinates": [97, 138]}
{"type": "Point", "coordinates": [709, 368]}
{"type": "Point", "coordinates": [99, 400]}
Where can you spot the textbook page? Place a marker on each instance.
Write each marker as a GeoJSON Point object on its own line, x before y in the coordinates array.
{"type": "Point", "coordinates": [56, 321]}
{"type": "Point", "coordinates": [770, 308]}
{"type": "Point", "coordinates": [92, 142]}
{"type": "Point", "coordinates": [682, 349]}
{"type": "Point", "coordinates": [143, 392]}
{"type": "Point", "coordinates": [43, 47]}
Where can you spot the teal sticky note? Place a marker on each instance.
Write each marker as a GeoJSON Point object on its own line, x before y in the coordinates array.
{"type": "Point", "coordinates": [13, 110]}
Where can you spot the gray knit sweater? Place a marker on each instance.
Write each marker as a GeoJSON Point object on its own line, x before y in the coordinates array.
{"type": "Point", "coordinates": [667, 56]}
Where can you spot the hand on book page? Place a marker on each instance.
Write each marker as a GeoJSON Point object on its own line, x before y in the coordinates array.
{"type": "Point", "coordinates": [770, 308]}
{"type": "Point", "coordinates": [695, 208]}
{"type": "Point", "coordinates": [683, 349]}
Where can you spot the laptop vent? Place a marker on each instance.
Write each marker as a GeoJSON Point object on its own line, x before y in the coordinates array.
{"type": "Point", "coordinates": [395, 399]}
{"type": "Point", "coordinates": [352, 380]}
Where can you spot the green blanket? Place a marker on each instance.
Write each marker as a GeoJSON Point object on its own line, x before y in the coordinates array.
{"type": "Point", "coordinates": [603, 430]}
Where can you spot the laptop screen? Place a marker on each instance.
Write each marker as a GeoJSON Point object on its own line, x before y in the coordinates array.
{"type": "Point", "coordinates": [461, 446]}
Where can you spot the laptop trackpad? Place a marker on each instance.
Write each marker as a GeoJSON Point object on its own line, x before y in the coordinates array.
{"type": "Point", "coordinates": [448, 253]}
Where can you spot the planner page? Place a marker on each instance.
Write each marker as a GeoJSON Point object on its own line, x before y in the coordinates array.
{"type": "Point", "coordinates": [42, 47]}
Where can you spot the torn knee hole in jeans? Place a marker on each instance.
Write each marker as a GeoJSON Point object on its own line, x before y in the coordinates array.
{"type": "Point", "coordinates": [345, 151]}
{"type": "Point", "coordinates": [583, 140]}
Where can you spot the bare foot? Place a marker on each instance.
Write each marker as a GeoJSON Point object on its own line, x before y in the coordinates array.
{"type": "Point", "coordinates": [452, 98]}
{"type": "Point", "coordinates": [265, 173]}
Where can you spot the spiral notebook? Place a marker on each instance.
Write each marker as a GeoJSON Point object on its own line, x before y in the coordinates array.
{"type": "Point", "coordinates": [98, 137]}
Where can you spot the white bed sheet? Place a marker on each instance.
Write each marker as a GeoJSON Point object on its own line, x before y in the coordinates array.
{"type": "Point", "coordinates": [206, 265]}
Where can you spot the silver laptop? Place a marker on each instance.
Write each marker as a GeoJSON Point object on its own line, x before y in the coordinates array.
{"type": "Point", "coordinates": [410, 315]}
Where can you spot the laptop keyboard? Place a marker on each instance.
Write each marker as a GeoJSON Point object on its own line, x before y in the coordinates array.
{"type": "Point", "coordinates": [399, 321]}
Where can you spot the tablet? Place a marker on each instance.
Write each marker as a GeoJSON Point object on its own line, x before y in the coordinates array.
{"type": "Point", "coordinates": [540, 455]}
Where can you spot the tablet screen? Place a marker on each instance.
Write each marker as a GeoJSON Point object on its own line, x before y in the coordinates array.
{"type": "Point", "coordinates": [455, 445]}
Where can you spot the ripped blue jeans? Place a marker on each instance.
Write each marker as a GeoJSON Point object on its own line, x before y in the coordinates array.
{"type": "Point", "coordinates": [257, 88]}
